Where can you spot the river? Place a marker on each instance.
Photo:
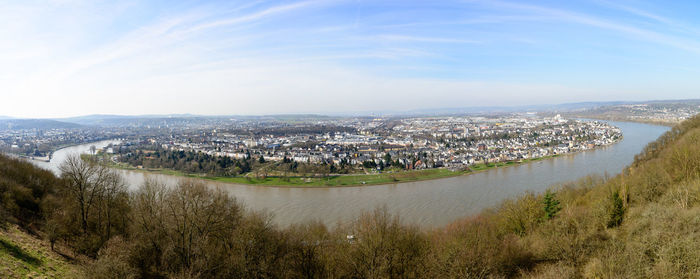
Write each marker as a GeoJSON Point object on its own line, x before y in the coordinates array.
{"type": "Point", "coordinates": [428, 203]}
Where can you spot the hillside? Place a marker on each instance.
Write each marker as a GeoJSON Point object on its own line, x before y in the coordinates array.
{"type": "Point", "coordinates": [640, 224]}
{"type": "Point", "coordinates": [25, 256]}
{"type": "Point", "coordinates": [665, 112]}
{"type": "Point", "coordinates": [18, 124]}
{"type": "Point", "coordinates": [27, 194]}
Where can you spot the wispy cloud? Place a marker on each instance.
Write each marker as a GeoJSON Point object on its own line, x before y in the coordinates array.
{"type": "Point", "coordinates": [585, 19]}
{"type": "Point", "coordinates": [407, 38]}
{"type": "Point", "coordinates": [671, 24]}
{"type": "Point", "coordinates": [250, 17]}
{"type": "Point", "coordinates": [165, 33]}
{"type": "Point", "coordinates": [225, 57]}
{"type": "Point", "coordinates": [636, 11]}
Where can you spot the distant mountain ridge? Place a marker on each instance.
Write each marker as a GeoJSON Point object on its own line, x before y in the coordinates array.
{"type": "Point", "coordinates": [18, 124]}
{"type": "Point", "coordinates": [109, 120]}
{"type": "Point", "coordinates": [510, 109]}
{"type": "Point", "coordinates": [158, 120]}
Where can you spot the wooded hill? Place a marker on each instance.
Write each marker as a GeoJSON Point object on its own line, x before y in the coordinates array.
{"type": "Point", "coordinates": [639, 224]}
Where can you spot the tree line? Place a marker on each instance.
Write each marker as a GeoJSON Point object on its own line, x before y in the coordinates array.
{"type": "Point", "coordinates": [151, 156]}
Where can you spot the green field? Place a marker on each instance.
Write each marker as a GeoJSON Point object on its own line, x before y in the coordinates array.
{"type": "Point", "coordinates": [480, 167]}
{"type": "Point", "coordinates": [25, 256]}
{"type": "Point", "coordinates": [339, 180]}
{"type": "Point", "coordinates": [329, 181]}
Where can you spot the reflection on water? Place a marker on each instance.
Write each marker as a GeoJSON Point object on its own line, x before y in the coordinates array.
{"type": "Point", "coordinates": [425, 203]}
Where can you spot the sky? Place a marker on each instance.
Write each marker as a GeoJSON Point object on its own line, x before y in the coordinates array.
{"type": "Point", "coordinates": [65, 58]}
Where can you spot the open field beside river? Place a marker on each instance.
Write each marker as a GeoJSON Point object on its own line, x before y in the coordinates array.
{"type": "Point", "coordinates": [312, 180]}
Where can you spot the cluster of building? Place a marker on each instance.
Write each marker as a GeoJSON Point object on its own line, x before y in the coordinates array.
{"type": "Point", "coordinates": [413, 143]}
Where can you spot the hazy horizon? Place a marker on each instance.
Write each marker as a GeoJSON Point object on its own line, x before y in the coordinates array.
{"type": "Point", "coordinates": [416, 112]}
{"type": "Point", "coordinates": [71, 57]}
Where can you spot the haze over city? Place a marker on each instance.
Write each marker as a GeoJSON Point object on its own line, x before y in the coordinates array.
{"type": "Point", "coordinates": [68, 58]}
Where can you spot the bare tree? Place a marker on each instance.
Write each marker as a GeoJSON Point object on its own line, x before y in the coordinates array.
{"type": "Point", "coordinates": [184, 228]}
{"type": "Point", "coordinates": [96, 203]}
{"type": "Point", "coordinates": [86, 183]}
{"type": "Point", "coordinates": [114, 203]}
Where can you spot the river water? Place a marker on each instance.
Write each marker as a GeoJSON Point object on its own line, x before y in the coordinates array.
{"type": "Point", "coordinates": [427, 204]}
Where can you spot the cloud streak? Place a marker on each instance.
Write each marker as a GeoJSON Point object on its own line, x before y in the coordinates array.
{"type": "Point", "coordinates": [323, 56]}
{"type": "Point", "coordinates": [581, 18]}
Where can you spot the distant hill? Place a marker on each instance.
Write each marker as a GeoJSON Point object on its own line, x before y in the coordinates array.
{"type": "Point", "coordinates": [566, 107]}
{"type": "Point", "coordinates": [18, 124]}
{"type": "Point", "coordinates": [512, 109]}
{"type": "Point", "coordinates": [684, 101]}
{"type": "Point", "coordinates": [480, 110]}
{"type": "Point", "coordinates": [107, 120]}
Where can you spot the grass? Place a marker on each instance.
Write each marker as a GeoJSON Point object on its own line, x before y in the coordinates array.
{"type": "Point", "coordinates": [338, 180]}
{"type": "Point", "coordinates": [486, 166]}
{"type": "Point", "coordinates": [347, 180]}
{"type": "Point", "coordinates": [17, 252]}
{"type": "Point", "coordinates": [24, 256]}
{"type": "Point", "coordinates": [329, 181]}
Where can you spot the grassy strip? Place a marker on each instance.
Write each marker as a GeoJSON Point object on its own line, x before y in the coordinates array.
{"type": "Point", "coordinates": [480, 167]}
{"type": "Point", "coordinates": [23, 256]}
{"type": "Point", "coordinates": [329, 181]}
{"type": "Point", "coordinates": [338, 180]}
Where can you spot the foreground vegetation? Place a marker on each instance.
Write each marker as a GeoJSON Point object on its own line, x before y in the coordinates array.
{"type": "Point", "coordinates": [25, 256]}
{"type": "Point", "coordinates": [641, 223]}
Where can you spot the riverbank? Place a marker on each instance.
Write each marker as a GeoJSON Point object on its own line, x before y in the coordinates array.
{"type": "Point", "coordinates": [341, 180]}
{"type": "Point", "coordinates": [428, 204]}
{"type": "Point", "coordinates": [347, 180]}
{"type": "Point", "coordinates": [314, 181]}
{"type": "Point", "coordinates": [49, 156]}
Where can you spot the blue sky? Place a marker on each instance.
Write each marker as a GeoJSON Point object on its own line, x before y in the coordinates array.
{"type": "Point", "coordinates": [73, 57]}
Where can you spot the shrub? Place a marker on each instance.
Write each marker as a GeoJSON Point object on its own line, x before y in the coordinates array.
{"type": "Point", "coordinates": [570, 238]}
{"type": "Point", "coordinates": [520, 215]}
{"type": "Point", "coordinates": [684, 196]}
{"type": "Point", "coordinates": [551, 205]}
{"type": "Point", "coordinates": [476, 248]}
{"type": "Point", "coordinates": [307, 253]}
{"type": "Point", "coordinates": [616, 210]}
{"type": "Point", "coordinates": [113, 262]}
{"type": "Point", "coordinates": [384, 248]}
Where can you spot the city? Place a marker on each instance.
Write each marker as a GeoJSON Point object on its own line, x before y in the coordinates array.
{"type": "Point", "coordinates": [413, 143]}
{"type": "Point", "coordinates": [279, 147]}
